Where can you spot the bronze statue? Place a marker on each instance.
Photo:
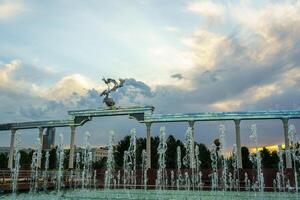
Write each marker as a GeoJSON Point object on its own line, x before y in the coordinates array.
{"type": "Point", "coordinates": [108, 100]}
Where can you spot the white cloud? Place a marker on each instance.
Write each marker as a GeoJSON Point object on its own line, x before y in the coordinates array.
{"type": "Point", "coordinates": [6, 72]}
{"type": "Point", "coordinates": [9, 9]}
{"type": "Point", "coordinates": [66, 87]}
{"type": "Point", "coordinates": [207, 9]}
{"type": "Point", "coordinates": [11, 80]}
{"type": "Point", "coordinates": [172, 29]}
{"type": "Point", "coordinates": [205, 47]}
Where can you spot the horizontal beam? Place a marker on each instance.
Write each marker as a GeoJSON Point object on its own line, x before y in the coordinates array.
{"type": "Point", "coordinates": [135, 112]}
{"type": "Point", "coordinates": [37, 124]}
{"type": "Point", "coordinates": [219, 116]}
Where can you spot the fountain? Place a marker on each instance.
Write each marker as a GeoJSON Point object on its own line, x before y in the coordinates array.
{"type": "Point", "coordinates": [161, 149]}
{"type": "Point", "coordinates": [34, 181]}
{"type": "Point", "coordinates": [293, 142]}
{"type": "Point", "coordinates": [45, 173]}
{"type": "Point", "coordinates": [60, 155]}
{"type": "Point", "coordinates": [109, 173]}
{"type": "Point", "coordinates": [256, 160]}
{"type": "Point", "coordinates": [188, 181]}
{"type": "Point", "coordinates": [16, 168]}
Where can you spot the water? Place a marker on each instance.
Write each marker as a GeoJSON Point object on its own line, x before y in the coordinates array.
{"type": "Point", "coordinates": [187, 182]}
{"type": "Point", "coordinates": [60, 155]}
{"type": "Point", "coordinates": [137, 194]}
{"type": "Point", "coordinates": [161, 149]}
{"type": "Point", "coordinates": [35, 167]}
{"type": "Point", "coordinates": [45, 173]}
{"type": "Point", "coordinates": [16, 169]}
{"type": "Point", "coordinates": [256, 160]}
{"type": "Point", "coordinates": [110, 165]}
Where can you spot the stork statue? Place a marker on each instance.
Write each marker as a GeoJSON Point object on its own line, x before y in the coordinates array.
{"type": "Point", "coordinates": [108, 100]}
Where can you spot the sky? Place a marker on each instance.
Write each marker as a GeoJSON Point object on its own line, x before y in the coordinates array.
{"type": "Point", "coordinates": [179, 56]}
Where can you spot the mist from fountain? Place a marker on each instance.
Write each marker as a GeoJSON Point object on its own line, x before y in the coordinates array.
{"type": "Point", "coordinates": [144, 169]}
{"type": "Point", "coordinates": [214, 166]}
{"type": "Point", "coordinates": [45, 173]}
{"type": "Point", "coordinates": [60, 156]}
{"type": "Point", "coordinates": [256, 160]}
{"type": "Point", "coordinates": [179, 176]}
{"type": "Point", "coordinates": [222, 155]}
{"type": "Point", "coordinates": [293, 144]}
{"type": "Point", "coordinates": [161, 150]}
{"type": "Point", "coordinates": [185, 184]}
{"type": "Point", "coordinates": [110, 164]}
{"type": "Point", "coordinates": [16, 169]}
{"type": "Point", "coordinates": [86, 174]}
{"type": "Point", "coordinates": [35, 168]}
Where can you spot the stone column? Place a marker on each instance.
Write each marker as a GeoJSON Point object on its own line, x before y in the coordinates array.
{"type": "Point", "coordinates": [12, 149]}
{"type": "Point", "coordinates": [192, 154]}
{"type": "Point", "coordinates": [72, 147]}
{"type": "Point", "coordinates": [148, 145]}
{"type": "Point", "coordinates": [288, 159]}
{"type": "Point", "coordinates": [41, 137]}
{"type": "Point", "coordinates": [191, 125]}
{"type": "Point", "coordinates": [238, 142]}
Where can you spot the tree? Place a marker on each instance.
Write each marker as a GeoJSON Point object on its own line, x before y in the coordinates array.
{"type": "Point", "coordinates": [245, 158]}
{"type": "Point", "coordinates": [100, 163]}
{"type": "Point", "coordinates": [204, 156]}
{"type": "Point", "coordinates": [268, 159]}
{"type": "Point", "coordinates": [154, 155]}
{"type": "Point", "coordinates": [140, 145]}
{"type": "Point", "coordinates": [119, 151]}
{"type": "Point", "coordinates": [25, 159]}
{"type": "Point", "coordinates": [3, 161]}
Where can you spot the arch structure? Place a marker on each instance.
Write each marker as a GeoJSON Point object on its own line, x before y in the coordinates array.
{"type": "Point", "coordinates": [144, 114]}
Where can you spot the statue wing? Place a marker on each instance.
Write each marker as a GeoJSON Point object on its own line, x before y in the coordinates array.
{"type": "Point", "coordinates": [122, 81]}
{"type": "Point", "coordinates": [105, 92]}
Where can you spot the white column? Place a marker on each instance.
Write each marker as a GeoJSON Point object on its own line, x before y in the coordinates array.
{"type": "Point", "coordinates": [41, 137]}
{"type": "Point", "coordinates": [288, 159]}
{"type": "Point", "coordinates": [238, 142]}
{"type": "Point", "coordinates": [191, 125]}
{"type": "Point", "coordinates": [192, 154]}
{"type": "Point", "coordinates": [72, 147]}
{"type": "Point", "coordinates": [148, 143]}
{"type": "Point", "coordinates": [12, 149]}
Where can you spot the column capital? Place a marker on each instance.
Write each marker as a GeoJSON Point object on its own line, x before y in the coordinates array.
{"type": "Point", "coordinates": [148, 124]}
{"type": "Point", "coordinates": [191, 123]}
{"type": "Point", "coordinates": [237, 122]}
{"type": "Point", "coordinates": [285, 121]}
{"type": "Point", "coordinates": [13, 131]}
{"type": "Point", "coordinates": [73, 127]}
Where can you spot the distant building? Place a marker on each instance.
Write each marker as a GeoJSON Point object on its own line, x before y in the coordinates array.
{"type": "Point", "coordinates": [99, 153]}
{"type": "Point", "coordinates": [49, 139]}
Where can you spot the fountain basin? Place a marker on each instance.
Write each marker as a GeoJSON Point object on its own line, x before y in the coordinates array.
{"type": "Point", "coordinates": [139, 194]}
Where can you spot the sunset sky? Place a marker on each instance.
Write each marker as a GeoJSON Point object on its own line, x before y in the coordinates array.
{"type": "Point", "coordinates": [177, 55]}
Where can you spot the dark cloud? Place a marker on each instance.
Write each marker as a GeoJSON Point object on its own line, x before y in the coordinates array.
{"type": "Point", "coordinates": [242, 62]}
{"type": "Point", "coordinates": [177, 76]}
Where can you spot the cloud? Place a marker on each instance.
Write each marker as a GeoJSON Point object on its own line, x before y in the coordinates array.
{"type": "Point", "coordinates": [255, 66]}
{"type": "Point", "coordinates": [208, 9]}
{"type": "Point", "coordinates": [177, 76]}
{"type": "Point", "coordinates": [66, 87]}
{"type": "Point", "coordinates": [172, 29]}
{"type": "Point", "coordinates": [9, 9]}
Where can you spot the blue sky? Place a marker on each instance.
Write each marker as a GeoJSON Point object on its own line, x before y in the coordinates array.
{"type": "Point", "coordinates": [180, 56]}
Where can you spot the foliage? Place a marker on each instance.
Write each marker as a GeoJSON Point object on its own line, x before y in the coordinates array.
{"type": "Point", "coordinates": [269, 160]}
{"type": "Point", "coordinates": [3, 160]}
{"type": "Point", "coordinates": [245, 158]}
